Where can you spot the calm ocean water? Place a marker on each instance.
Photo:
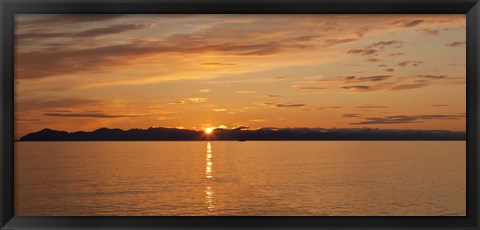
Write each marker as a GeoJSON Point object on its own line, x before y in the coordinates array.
{"type": "Point", "coordinates": [298, 178]}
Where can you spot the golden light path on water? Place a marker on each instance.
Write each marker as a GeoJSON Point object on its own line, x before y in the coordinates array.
{"type": "Point", "coordinates": [209, 198]}
{"type": "Point", "coordinates": [277, 178]}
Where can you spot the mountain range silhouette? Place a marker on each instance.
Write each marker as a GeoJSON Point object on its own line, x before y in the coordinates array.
{"type": "Point", "coordinates": [242, 134]}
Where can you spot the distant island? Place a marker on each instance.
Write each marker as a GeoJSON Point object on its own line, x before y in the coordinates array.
{"type": "Point", "coordinates": [242, 134]}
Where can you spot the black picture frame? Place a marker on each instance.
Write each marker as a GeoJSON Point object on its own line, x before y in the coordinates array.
{"type": "Point", "coordinates": [9, 8]}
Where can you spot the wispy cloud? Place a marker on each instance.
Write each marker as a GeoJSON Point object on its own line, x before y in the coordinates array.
{"type": "Point", "coordinates": [219, 110]}
{"type": "Point", "coordinates": [49, 63]}
{"type": "Point", "coordinates": [409, 86]}
{"type": "Point", "coordinates": [385, 44]}
{"type": "Point", "coordinates": [70, 19]}
{"type": "Point", "coordinates": [402, 119]}
{"type": "Point", "coordinates": [59, 103]}
{"type": "Point", "coordinates": [190, 99]}
{"type": "Point", "coordinates": [359, 87]}
{"type": "Point", "coordinates": [331, 42]}
{"type": "Point", "coordinates": [431, 76]}
{"type": "Point", "coordinates": [218, 64]}
{"type": "Point", "coordinates": [278, 105]}
{"type": "Point", "coordinates": [408, 23]}
{"type": "Point", "coordinates": [409, 63]}
{"type": "Point", "coordinates": [362, 51]}
{"type": "Point", "coordinates": [375, 48]}
{"type": "Point", "coordinates": [349, 115]}
{"type": "Point", "coordinates": [197, 99]}
{"type": "Point", "coordinates": [308, 87]}
{"type": "Point", "coordinates": [372, 107]}
{"type": "Point", "coordinates": [357, 79]}
{"type": "Point", "coordinates": [329, 107]}
{"type": "Point", "coordinates": [88, 115]}
{"type": "Point", "coordinates": [430, 32]}
{"type": "Point", "coordinates": [456, 44]}
{"type": "Point", "coordinates": [97, 32]}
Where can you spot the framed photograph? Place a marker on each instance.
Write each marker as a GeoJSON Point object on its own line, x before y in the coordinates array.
{"type": "Point", "coordinates": [239, 114]}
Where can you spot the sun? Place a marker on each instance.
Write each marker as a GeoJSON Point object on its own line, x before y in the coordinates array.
{"type": "Point", "coordinates": [208, 130]}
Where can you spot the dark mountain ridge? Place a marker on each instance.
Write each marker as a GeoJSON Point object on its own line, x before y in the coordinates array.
{"type": "Point", "coordinates": [264, 134]}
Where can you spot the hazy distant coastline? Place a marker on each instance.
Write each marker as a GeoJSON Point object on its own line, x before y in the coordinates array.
{"type": "Point", "coordinates": [264, 134]}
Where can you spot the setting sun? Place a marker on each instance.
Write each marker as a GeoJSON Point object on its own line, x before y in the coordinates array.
{"type": "Point", "coordinates": [209, 130]}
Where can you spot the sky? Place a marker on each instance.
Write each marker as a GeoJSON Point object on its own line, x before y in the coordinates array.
{"type": "Point", "coordinates": [84, 72]}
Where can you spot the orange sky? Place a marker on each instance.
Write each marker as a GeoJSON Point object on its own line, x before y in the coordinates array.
{"type": "Point", "coordinates": [83, 72]}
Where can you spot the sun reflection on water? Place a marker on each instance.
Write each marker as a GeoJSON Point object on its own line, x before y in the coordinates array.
{"type": "Point", "coordinates": [209, 198]}
{"type": "Point", "coordinates": [208, 159]}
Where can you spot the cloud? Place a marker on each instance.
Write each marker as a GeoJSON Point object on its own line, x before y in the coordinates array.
{"type": "Point", "coordinates": [204, 90]}
{"type": "Point", "coordinates": [372, 107]}
{"type": "Point", "coordinates": [305, 38]}
{"type": "Point", "coordinates": [375, 48]}
{"type": "Point", "coordinates": [389, 70]}
{"type": "Point", "coordinates": [280, 78]}
{"type": "Point", "coordinates": [54, 103]}
{"type": "Point", "coordinates": [240, 127]}
{"type": "Point", "coordinates": [456, 44]}
{"type": "Point", "coordinates": [370, 88]}
{"type": "Point", "coordinates": [245, 92]}
{"type": "Point", "coordinates": [329, 107]}
{"type": "Point", "coordinates": [385, 44]}
{"type": "Point", "coordinates": [308, 87]}
{"type": "Point", "coordinates": [409, 63]}
{"type": "Point", "coordinates": [409, 86]}
{"type": "Point", "coordinates": [430, 32]}
{"type": "Point", "coordinates": [277, 105]}
{"type": "Point", "coordinates": [180, 102]}
{"type": "Point", "coordinates": [219, 64]}
{"type": "Point", "coordinates": [197, 99]}
{"type": "Point", "coordinates": [362, 51]}
{"type": "Point", "coordinates": [54, 62]}
{"type": "Point", "coordinates": [356, 79]}
{"type": "Point", "coordinates": [369, 78]}
{"type": "Point", "coordinates": [190, 99]}
{"type": "Point", "coordinates": [347, 115]}
{"type": "Point", "coordinates": [361, 31]}
{"type": "Point", "coordinates": [401, 83]}
{"type": "Point", "coordinates": [115, 29]}
{"type": "Point", "coordinates": [219, 110]}
{"type": "Point", "coordinates": [439, 105]}
{"type": "Point", "coordinates": [402, 119]}
{"type": "Point", "coordinates": [69, 19]}
{"type": "Point", "coordinates": [374, 60]}
{"type": "Point", "coordinates": [408, 23]}
{"type": "Point", "coordinates": [87, 115]}
{"type": "Point", "coordinates": [38, 35]}
{"type": "Point", "coordinates": [331, 42]}
{"type": "Point", "coordinates": [360, 87]}
{"type": "Point", "coordinates": [313, 85]}
{"type": "Point", "coordinates": [274, 96]}
{"type": "Point", "coordinates": [431, 76]}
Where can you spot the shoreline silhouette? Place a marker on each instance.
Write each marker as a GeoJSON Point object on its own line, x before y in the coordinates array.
{"type": "Point", "coordinates": [240, 134]}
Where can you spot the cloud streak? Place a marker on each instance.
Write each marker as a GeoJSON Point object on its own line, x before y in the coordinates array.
{"type": "Point", "coordinates": [403, 119]}
{"type": "Point", "coordinates": [278, 105]}
{"type": "Point", "coordinates": [91, 33]}
{"type": "Point", "coordinates": [456, 44]}
{"type": "Point", "coordinates": [87, 115]}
